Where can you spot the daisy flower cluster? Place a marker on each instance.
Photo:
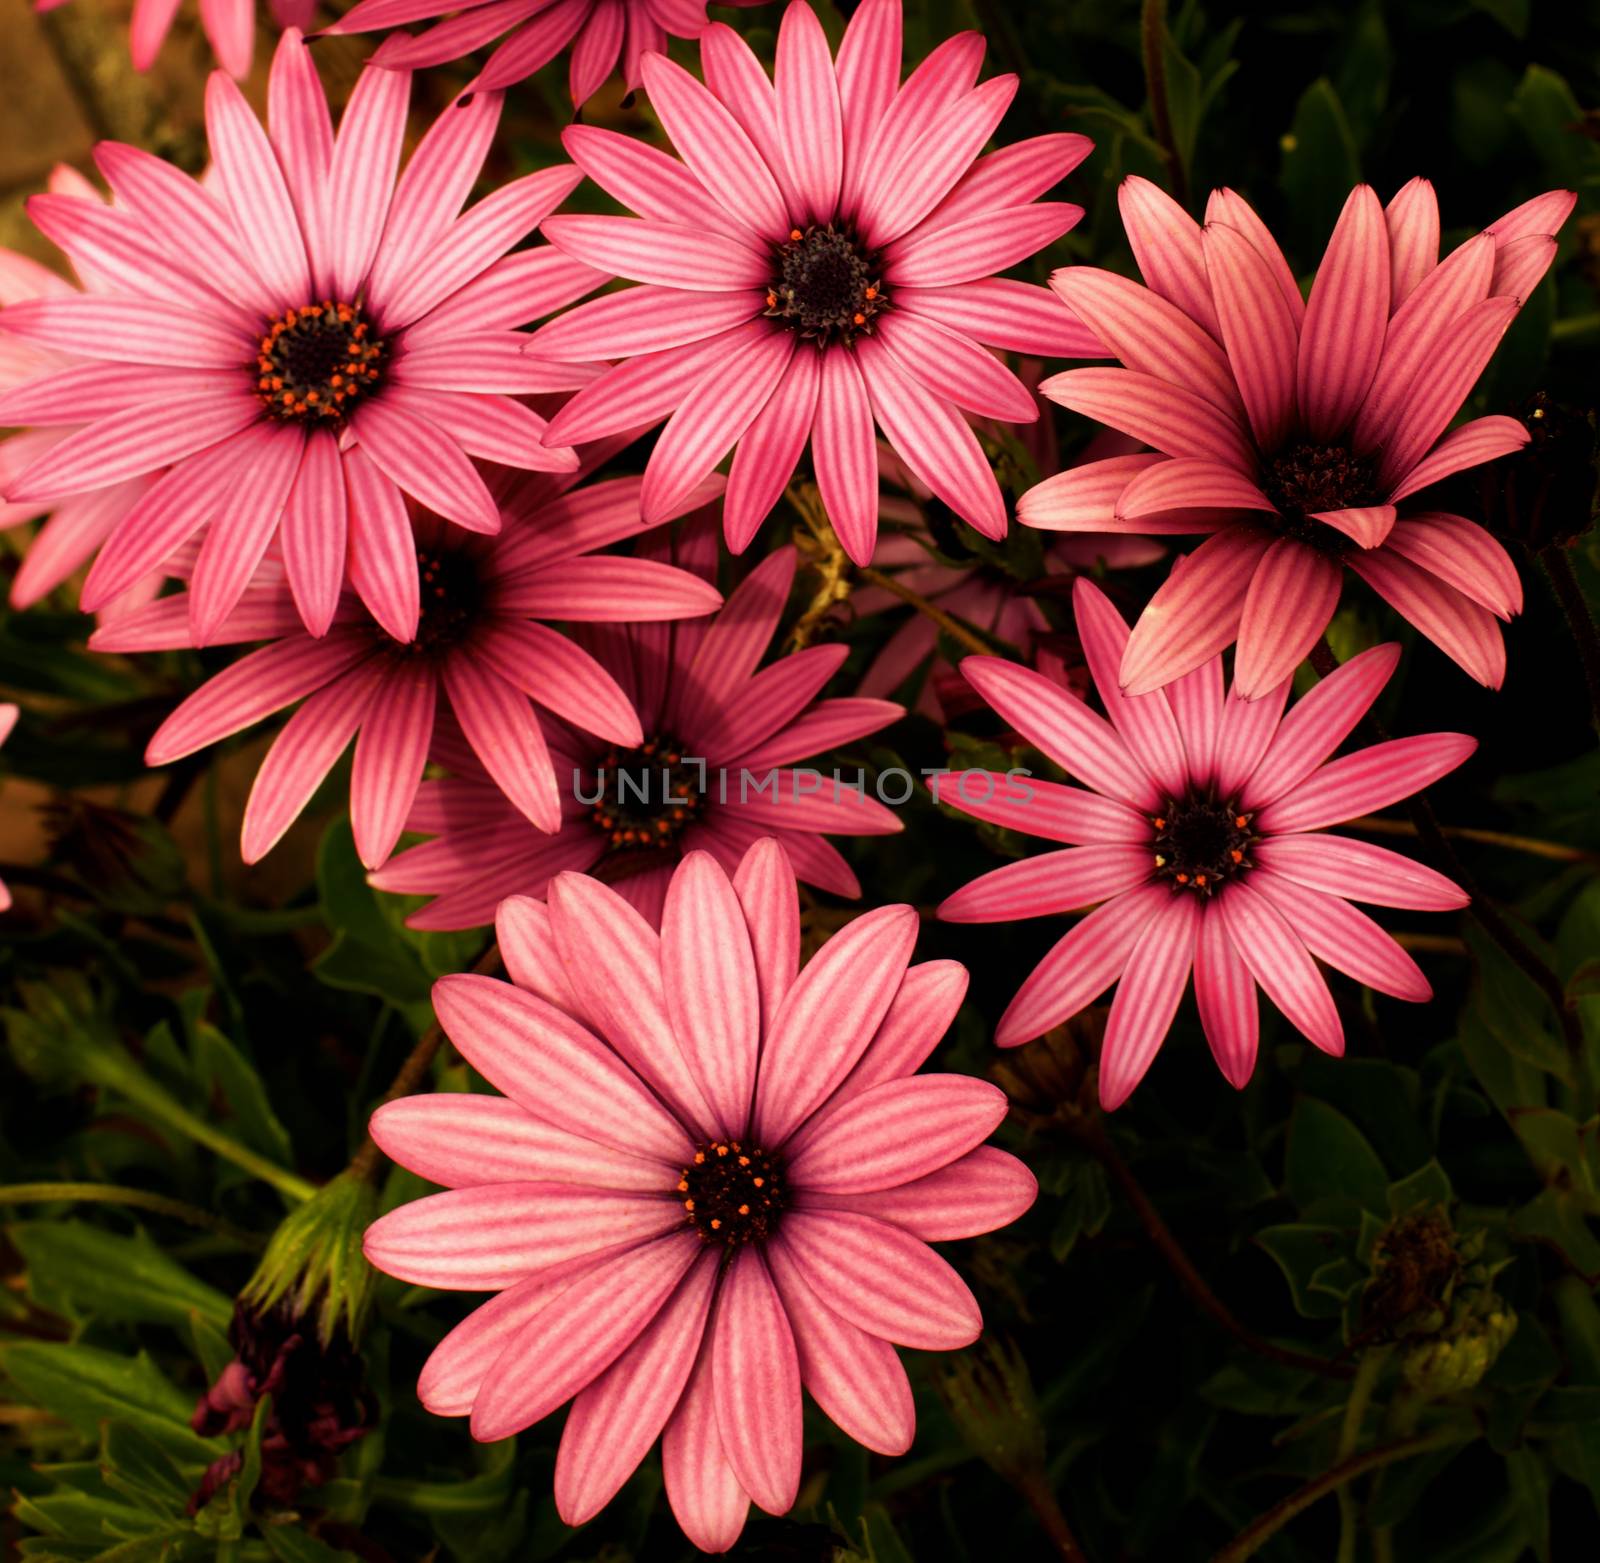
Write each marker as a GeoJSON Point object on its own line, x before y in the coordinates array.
{"type": "Point", "coordinates": [455, 482]}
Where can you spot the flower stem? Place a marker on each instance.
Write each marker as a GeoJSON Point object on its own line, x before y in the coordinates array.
{"type": "Point", "coordinates": [1261, 1530]}
{"type": "Point", "coordinates": [952, 627]}
{"type": "Point", "coordinates": [114, 1194]}
{"type": "Point", "coordinates": [1557, 562]}
{"type": "Point", "coordinates": [819, 546]}
{"type": "Point", "coordinates": [1047, 1511]}
{"type": "Point", "coordinates": [1091, 1133]}
{"type": "Point", "coordinates": [1556, 851]}
{"type": "Point", "coordinates": [367, 1160]}
{"type": "Point", "coordinates": [1153, 38]}
{"type": "Point", "coordinates": [1489, 916]}
{"type": "Point", "coordinates": [1355, 1411]}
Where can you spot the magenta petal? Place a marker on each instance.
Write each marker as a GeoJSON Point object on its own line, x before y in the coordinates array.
{"type": "Point", "coordinates": [490, 1237]}
{"type": "Point", "coordinates": [705, 1495]}
{"type": "Point", "coordinates": [1225, 994]}
{"type": "Point", "coordinates": [929, 997]}
{"type": "Point", "coordinates": [1175, 421]}
{"type": "Point", "coordinates": [504, 732]}
{"type": "Point", "coordinates": [1342, 336]}
{"type": "Point", "coordinates": [1346, 939]}
{"type": "Point", "coordinates": [615, 1420]}
{"type": "Point", "coordinates": [1462, 555]}
{"type": "Point", "coordinates": [1080, 966]}
{"type": "Point", "coordinates": [555, 1068]}
{"type": "Point", "coordinates": [1196, 612]}
{"type": "Point", "coordinates": [1369, 779]}
{"type": "Point", "coordinates": [983, 1191]}
{"type": "Point", "coordinates": [1279, 962]}
{"type": "Point", "coordinates": [770, 449]}
{"type": "Point", "coordinates": [755, 1379]}
{"type": "Point", "coordinates": [1318, 723]}
{"type": "Point", "coordinates": [828, 1016]}
{"type": "Point", "coordinates": [528, 947]}
{"type": "Point", "coordinates": [1082, 743]}
{"type": "Point", "coordinates": [1152, 983]}
{"type": "Point", "coordinates": [1292, 596]}
{"type": "Point", "coordinates": [1046, 809]}
{"type": "Point", "coordinates": [1145, 721]}
{"type": "Point", "coordinates": [1167, 245]}
{"type": "Point", "coordinates": [770, 901]}
{"type": "Point", "coordinates": [855, 1377]}
{"type": "Point", "coordinates": [1462, 629]}
{"type": "Point", "coordinates": [1412, 218]}
{"type": "Point", "coordinates": [1050, 883]}
{"type": "Point", "coordinates": [895, 1132]}
{"type": "Point", "coordinates": [709, 975]}
{"type": "Point", "coordinates": [881, 1279]}
{"type": "Point", "coordinates": [563, 1350]}
{"type": "Point", "coordinates": [1359, 871]}
{"type": "Point", "coordinates": [462, 1140]}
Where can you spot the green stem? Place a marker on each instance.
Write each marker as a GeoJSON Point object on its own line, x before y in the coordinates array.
{"type": "Point", "coordinates": [114, 1194]}
{"type": "Point", "coordinates": [1261, 1530]}
{"type": "Point", "coordinates": [1557, 562]}
{"type": "Point", "coordinates": [1153, 40]}
{"type": "Point", "coordinates": [1355, 1410]}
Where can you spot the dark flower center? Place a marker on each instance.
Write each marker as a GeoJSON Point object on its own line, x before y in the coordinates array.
{"type": "Point", "coordinates": [1200, 842]}
{"type": "Point", "coordinates": [452, 596]}
{"type": "Point", "coordinates": [1303, 479]}
{"type": "Point", "coordinates": [733, 1193]}
{"type": "Point", "coordinates": [825, 286]}
{"type": "Point", "coordinates": [317, 362]}
{"type": "Point", "coordinates": [647, 796]}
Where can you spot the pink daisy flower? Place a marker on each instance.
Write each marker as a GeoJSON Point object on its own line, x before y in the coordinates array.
{"type": "Point", "coordinates": [820, 260]}
{"type": "Point", "coordinates": [229, 26]}
{"type": "Point", "coordinates": [1197, 840]}
{"type": "Point", "coordinates": [73, 529]}
{"type": "Point", "coordinates": [1295, 432]}
{"type": "Point", "coordinates": [713, 1181]}
{"type": "Point", "coordinates": [8, 719]}
{"type": "Point", "coordinates": [481, 661]}
{"type": "Point", "coordinates": [254, 340]}
{"type": "Point", "coordinates": [599, 32]}
{"type": "Point", "coordinates": [717, 766]}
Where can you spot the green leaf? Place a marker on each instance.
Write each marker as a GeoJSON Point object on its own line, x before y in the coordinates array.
{"type": "Point", "coordinates": [1530, 1489]}
{"type": "Point", "coordinates": [1301, 1252]}
{"type": "Point", "coordinates": [1556, 1220]}
{"type": "Point", "coordinates": [85, 1386]}
{"type": "Point", "coordinates": [1085, 1207]}
{"type": "Point", "coordinates": [220, 1066]}
{"type": "Point", "coordinates": [73, 1261]}
{"type": "Point", "coordinates": [1510, 14]}
{"type": "Point", "coordinates": [367, 954]}
{"type": "Point", "coordinates": [1320, 163]}
{"type": "Point", "coordinates": [294, 1545]}
{"type": "Point", "coordinates": [1550, 117]}
{"type": "Point", "coordinates": [1330, 1165]}
{"type": "Point", "coordinates": [135, 1465]}
{"type": "Point", "coordinates": [1428, 1185]}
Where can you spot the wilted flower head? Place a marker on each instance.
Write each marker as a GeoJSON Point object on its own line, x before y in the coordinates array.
{"type": "Point", "coordinates": [713, 1179]}
{"type": "Point", "coordinates": [1197, 840]}
{"type": "Point", "coordinates": [716, 765]}
{"type": "Point", "coordinates": [598, 33]}
{"type": "Point", "coordinates": [821, 260]}
{"type": "Point", "coordinates": [320, 1403]}
{"type": "Point", "coordinates": [1296, 432]}
{"type": "Point", "coordinates": [297, 347]}
{"type": "Point", "coordinates": [480, 663]}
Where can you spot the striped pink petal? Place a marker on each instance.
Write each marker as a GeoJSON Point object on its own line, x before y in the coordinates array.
{"type": "Point", "coordinates": [390, 755]}
{"type": "Point", "coordinates": [1083, 499]}
{"type": "Point", "coordinates": [977, 246]}
{"type": "Point", "coordinates": [1412, 219]}
{"type": "Point", "coordinates": [1020, 317]}
{"type": "Point", "coordinates": [1174, 420]}
{"type": "Point", "coordinates": [1462, 555]}
{"type": "Point", "coordinates": [1148, 333]}
{"type": "Point", "coordinates": [382, 547]}
{"type": "Point", "coordinates": [984, 1190]}
{"type": "Point", "coordinates": [1359, 871]}
{"type": "Point", "coordinates": [770, 449]}
{"type": "Point", "coordinates": [707, 1500]}
{"type": "Point", "coordinates": [765, 885]}
{"type": "Point", "coordinates": [809, 117]}
{"type": "Point", "coordinates": [1040, 808]}
{"type": "Point", "coordinates": [1465, 631]}
{"type": "Point", "coordinates": [1231, 209]}
{"type": "Point", "coordinates": [1050, 883]}
{"type": "Point", "coordinates": [1318, 723]}
{"type": "Point", "coordinates": [844, 453]}
{"type": "Point", "coordinates": [1342, 336]}
{"type": "Point", "coordinates": [556, 1069]}
{"type": "Point", "coordinates": [549, 1361]}
{"type": "Point", "coordinates": [1481, 440]}
{"type": "Point", "coordinates": [856, 1378]}
{"type": "Point", "coordinates": [1082, 743]}
{"type": "Point", "coordinates": [642, 250]}
{"type": "Point", "coordinates": [1348, 940]}
{"type": "Point", "coordinates": [1370, 779]}
{"type": "Point", "coordinates": [1080, 966]}
{"type": "Point", "coordinates": [505, 735]}
{"type": "Point", "coordinates": [1282, 967]}
{"type": "Point", "coordinates": [1167, 245]}
{"type": "Point", "coordinates": [426, 462]}
{"type": "Point", "coordinates": [881, 1279]}
{"type": "Point", "coordinates": [1225, 994]}
{"type": "Point", "coordinates": [914, 1024]}
{"type": "Point", "coordinates": [1152, 983]}
{"type": "Point", "coordinates": [1196, 611]}
{"type": "Point", "coordinates": [956, 369]}
{"type": "Point", "coordinates": [1259, 328]}
{"type": "Point", "coordinates": [1293, 593]}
